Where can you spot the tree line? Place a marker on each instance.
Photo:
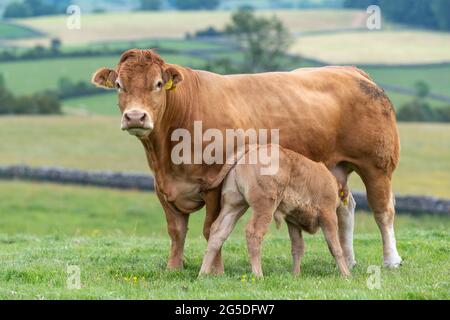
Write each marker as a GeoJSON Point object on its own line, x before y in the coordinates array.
{"type": "Point", "coordinates": [39, 103]}
{"type": "Point", "coordinates": [432, 14]}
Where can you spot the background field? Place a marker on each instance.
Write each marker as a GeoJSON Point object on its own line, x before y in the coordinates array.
{"type": "Point", "coordinates": [120, 245]}
{"type": "Point", "coordinates": [22, 76]}
{"type": "Point", "coordinates": [119, 239]}
{"type": "Point", "coordinates": [174, 24]}
{"type": "Point", "coordinates": [97, 143]}
{"type": "Point", "coordinates": [12, 31]}
{"type": "Point", "coordinates": [379, 47]}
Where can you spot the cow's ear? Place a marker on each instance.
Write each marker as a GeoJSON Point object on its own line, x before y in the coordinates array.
{"type": "Point", "coordinates": [171, 78]}
{"type": "Point", "coordinates": [104, 78]}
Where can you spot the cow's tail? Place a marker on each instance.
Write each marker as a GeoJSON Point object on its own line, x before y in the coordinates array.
{"type": "Point", "coordinates": [226, 168]}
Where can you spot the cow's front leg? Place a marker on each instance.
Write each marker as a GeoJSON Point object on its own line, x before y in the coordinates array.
{"type": "Point", "coordinates": [177, 226]}
{"type": "Point", "coordinates": [212, 203]}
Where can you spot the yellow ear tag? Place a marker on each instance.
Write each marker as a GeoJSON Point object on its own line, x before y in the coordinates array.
{"type": "Point", "coordinates": [169, 84]}
{"type": "Point", "coordinates": [345, 201]}
{"type": "Point", "coordinates": [109, 84]}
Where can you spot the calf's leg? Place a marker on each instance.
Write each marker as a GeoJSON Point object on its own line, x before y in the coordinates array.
{"type": "Point", "coordinates": [297, 246]}
{"type": "Point", "coordinates": [232, 209]}
{"type": "Point", "coordinates": [329, 225]}
{"type": "Point", "coordinates": [346, 219]}
{"type": "Point", "coordinates": [257, 227]}
{"type": "Point", "coordinates": [212, 203]}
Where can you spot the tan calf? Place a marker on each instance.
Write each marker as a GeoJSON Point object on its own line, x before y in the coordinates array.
{"type": "Point", "coordinates": [302, 191]}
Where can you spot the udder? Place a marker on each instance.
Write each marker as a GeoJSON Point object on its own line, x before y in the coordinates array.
{"type": "Point", "coordinates": [185, 196]}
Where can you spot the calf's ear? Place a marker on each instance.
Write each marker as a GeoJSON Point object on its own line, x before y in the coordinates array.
{"type": "Point", "coordinates": [171, 78]}
{"type": "Point", "coordinates": [104, 78]}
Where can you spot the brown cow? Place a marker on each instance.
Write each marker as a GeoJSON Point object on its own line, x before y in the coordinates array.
{"type": "Point", "coordinates": [301, 191]}
{"type": "Point", "coordinates": [335, 115]}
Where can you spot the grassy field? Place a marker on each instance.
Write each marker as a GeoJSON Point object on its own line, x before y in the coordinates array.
{"type": "Point", "coordinates": [12, 31]}
{"type": "Point", "coordinates": [99, 104]}
{"type": "Point", "coordinates": [97, 143]}
{"type": "Point", "coordinates": [437, 77]}
{"type": "Point", "coordinates": [105, 104]}
{"type": "Point", "coordinates": [26, 77]}
{"type": "Point", "coordinates": [384, 47]}
{"type": "Point", "coordinates": [174, 24]}
{"type": "Point", "coordinates": [118, 240]}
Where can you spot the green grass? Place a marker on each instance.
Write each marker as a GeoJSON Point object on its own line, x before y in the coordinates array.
{"type": "Point", "coordinates": [400, 99]}
{"type": "Point", "coordinates": [102, 104]}
{"type": "Point", "coordinates": [26, 77]}
{"type": "Point", "coordinates": [170, 44]}
{"type": "Point", "coordinates": [369, 47]}
{"type": "Point", "coordinates": [89, 143]}
{"type": "Point", "coordinates": [97, 143]}
{"type": "Point", "coordinates": [119, 241]}
{"type": "Point", "coordinates": [175, 24]}
{"type": "Point", "coordinates": [437, 77]}
{"type": "Point", "coordinates": [13, 31]}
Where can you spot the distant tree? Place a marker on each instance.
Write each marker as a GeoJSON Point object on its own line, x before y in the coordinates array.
{"type": "Point", "coordinates": [7, 101]}
{"type": "Point", "coordinates": [433, 14]}
{"type": "Point", "coordinates": [420, 110]}
{"type": "Point", "coordinates": [359, 4]}
{"type": "Point", "coordinates": [17, 10]}
{"type": "Point", "coordinates": [265, 40]}
{"type": "Point", "coordinates": [416, 110]}
{"type": "Point", "coordinates": [39, 103]}
{"type": "Point", "coordinates": [422, 89]}
{"type": "Point", "coordinates": [152, 5]}
{"type": "Point", "coordinates": [55, 45]}
{"type": "Point", "coordinates": [27, 8]}
{"type": "Point", "coordinates": [441, 9]}
{"type": "Point", "coordinates": [196, 4]}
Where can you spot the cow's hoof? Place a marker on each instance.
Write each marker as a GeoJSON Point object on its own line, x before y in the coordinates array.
{"type": "Point", "coordinates": [176, 267]}
{"type": "Point", "coordinates": [393, 263]}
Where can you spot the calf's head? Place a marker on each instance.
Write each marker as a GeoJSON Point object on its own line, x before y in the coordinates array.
{"type": "Point", "coordinates": [142, 80]}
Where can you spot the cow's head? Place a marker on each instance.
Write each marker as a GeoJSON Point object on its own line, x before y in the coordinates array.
{"type": "Point", "coordinates": [142, 80]}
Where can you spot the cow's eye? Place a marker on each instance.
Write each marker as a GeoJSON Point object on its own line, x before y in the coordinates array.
{"type": "Point", "coordinates": [159, 85]}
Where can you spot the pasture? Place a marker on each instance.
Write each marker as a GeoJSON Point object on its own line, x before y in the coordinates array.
{"type": "Point", "coordinates": [13, 31]}
{"type": "Point", "coordinates": [21, 76]}
{"type": "Point", "coordinates": [376, 47]}
{"type": "Point", "coordinates": [175, 24]}
{"type": "Point", "coordinates": [118, 239]}
{"type": "Point", "coordinates": [97, 143]}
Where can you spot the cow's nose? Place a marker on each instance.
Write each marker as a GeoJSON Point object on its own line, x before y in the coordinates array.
{"type": "Point", "coordinates": [135, 119]}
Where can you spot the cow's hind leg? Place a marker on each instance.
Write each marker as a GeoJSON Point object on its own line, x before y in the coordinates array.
{"type": "Point", "coordinates": [346, 219]}
{"type": "Point", "coordinates": [297, 246]}
{"type": "Point", "coordinates": [380, 197]}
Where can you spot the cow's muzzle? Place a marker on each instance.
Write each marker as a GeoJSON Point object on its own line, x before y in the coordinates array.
{"type": "Point", "coordinates": [136, 122]}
